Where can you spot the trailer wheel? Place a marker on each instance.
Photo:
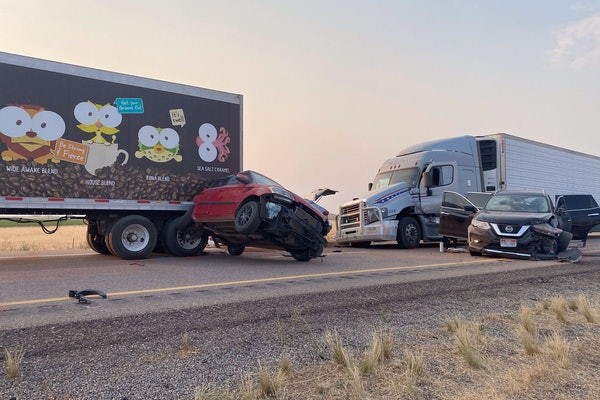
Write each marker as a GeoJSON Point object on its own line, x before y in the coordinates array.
{"type": "Point", "coordinates": [132, 237]}
{"type": "Point", "coordinates": [97, 243]}
{"type": "Point", "coordinates": [247, 219]}
{"type": "Point", "coordinates": [409, 233]}
{"type": "Point", "coordinates": [188, 241]}
{"type": "Point", "coordinates": [236, 249]}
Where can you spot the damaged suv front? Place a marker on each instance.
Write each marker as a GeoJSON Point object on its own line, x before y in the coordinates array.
{"type": "Point", "coordinates": [520, 224]}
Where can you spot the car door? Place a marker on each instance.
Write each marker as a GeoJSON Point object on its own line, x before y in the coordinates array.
{"type": "Point", "coordinates": [456, 214]}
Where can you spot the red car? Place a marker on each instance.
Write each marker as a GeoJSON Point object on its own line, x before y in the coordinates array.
{"type": "Point", "coordinates": [249, 208]}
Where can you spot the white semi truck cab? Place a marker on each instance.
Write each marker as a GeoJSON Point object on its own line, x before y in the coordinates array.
{"type": "Point", "coordinates": [404, 200]}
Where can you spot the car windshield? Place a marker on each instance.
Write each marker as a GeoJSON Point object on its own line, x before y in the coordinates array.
{"type": "Point", "coordinates": [407, 175]}
{"type": "Point", "coordinates": [536, 203]}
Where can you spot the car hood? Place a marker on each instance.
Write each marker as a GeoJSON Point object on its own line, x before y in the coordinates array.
{"type": "Point", "coordinates": [516, 218]}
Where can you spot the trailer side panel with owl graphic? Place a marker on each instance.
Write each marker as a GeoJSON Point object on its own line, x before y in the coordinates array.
{"type": "Point", "coordinates": [76, 140]}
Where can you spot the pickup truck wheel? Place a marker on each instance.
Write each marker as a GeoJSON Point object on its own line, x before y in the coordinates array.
{"type": "Point", "coordinates": [236, 249]}
{"type": "Point", "coordinates": [97, 243]}
{"type": "Point", "coordinates": [132, 237]}
{"type": "Point", "coordinates": [188, 241]}
{"type": "Point", "coordinates": [409, 233]}
{"type": "Point", "coordinates": [301, 255]}
{"type": "Point", "coordinates": [247, 219]}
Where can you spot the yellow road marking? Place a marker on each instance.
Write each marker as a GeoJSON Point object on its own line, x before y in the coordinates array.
{"type": "Point", "coordinates": [250, 281]}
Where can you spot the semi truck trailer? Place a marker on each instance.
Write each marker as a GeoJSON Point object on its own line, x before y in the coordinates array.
{"type": "Point", "coordinates": [403, 202]}
{"type": "Point", "coordinates": [124, 153]}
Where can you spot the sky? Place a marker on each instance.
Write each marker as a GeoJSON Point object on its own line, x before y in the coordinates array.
{"type": "Point", "coordinates": [333, 88]}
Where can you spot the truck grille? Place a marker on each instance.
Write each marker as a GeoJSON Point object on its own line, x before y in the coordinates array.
{"type": "Point", "coordinates": [350, 216]}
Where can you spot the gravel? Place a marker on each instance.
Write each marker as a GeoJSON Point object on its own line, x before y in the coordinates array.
{"type": "Point", "coordinates": [138, 357]}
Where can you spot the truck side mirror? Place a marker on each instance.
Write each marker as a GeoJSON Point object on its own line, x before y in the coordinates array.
{"type": "Point", "coordinates": [426, 179]}
{"type": "Point", "coordinates": [370, 186]}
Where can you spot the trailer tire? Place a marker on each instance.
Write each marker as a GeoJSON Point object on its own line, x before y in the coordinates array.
{"type": "Point", "coordinates": [247, 218]}
{"type": "Point", "coordinates": [132, 237]}
{"type": "Point", "coordinates": [183, 242]}
{"type": "Point", "coordinates": [409, 233]}
{"type": "Point", "coordinates": [97, 243]}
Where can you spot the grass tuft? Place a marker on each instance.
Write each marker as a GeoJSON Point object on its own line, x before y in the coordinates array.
{"type": "Point", "coordinates": [285, 366]}
{"type": "Point", "coordinates": [525, 315]}
{"type": "Point", "coordinates": [269, 382]}
{"type": "Point", "coordinates": [339, 354]}
{"type": "Point", "coordinates": [584, 307]}
{"type": "Point", "coordinates": [381, 350]}
{"type": "Point", "coordinates": [13, 362]}
{"type": "Point", "coordinates": [465, 342]}
{"type": "Point", "coordinates": [414, 365]}
{"type": "Point", "coordinates": [559, 350]}
{"type": "Point", "coordinates": [558, 306]}
{"type": "Point", "coordinates": [528, 341]}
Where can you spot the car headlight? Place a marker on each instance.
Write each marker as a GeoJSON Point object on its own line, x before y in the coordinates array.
{"type": "Point", "coordinates": [480, 224]}
{"type": "Point", "coordinates": [282, 194]}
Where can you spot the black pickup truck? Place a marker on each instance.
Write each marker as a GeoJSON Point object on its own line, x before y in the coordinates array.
{"type": "Point", "coordinates": [584, 212]}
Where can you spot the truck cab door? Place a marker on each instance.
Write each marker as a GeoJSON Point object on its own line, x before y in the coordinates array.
{"type": "Point", "coordinates": [437, 178]}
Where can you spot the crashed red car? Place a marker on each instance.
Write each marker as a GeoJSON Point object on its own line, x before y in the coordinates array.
{"type": "Point", "coordinates": [250, 209]}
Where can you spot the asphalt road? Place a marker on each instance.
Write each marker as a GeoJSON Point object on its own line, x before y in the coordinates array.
{"type": "Point", "coordinates": [34, 287]}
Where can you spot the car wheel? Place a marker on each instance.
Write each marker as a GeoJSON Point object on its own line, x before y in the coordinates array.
{"type": "Point", "coordinates": [235, 249]}
{"type": "Point", "coordinates": [563, 241]}
{"type": "Point", "coordinates": [247, 219]}
{"type": "Point", "coordinates": [301, 255]}
{"type": "Point", "coordinates": [409, 233]}
{"type": "Point", "coordinates": [183, 242]}
{"type": "Point", "coordinates": [132, 237]}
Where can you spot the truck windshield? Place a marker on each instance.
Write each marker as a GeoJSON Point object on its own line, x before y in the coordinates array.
{"type": "Point", "coordinates": [407, 175]}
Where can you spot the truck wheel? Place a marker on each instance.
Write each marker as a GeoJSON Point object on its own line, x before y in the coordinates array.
{"type": "Point", "coordinates": [132, 237]}
{"type": "Point", "coordinates": [236, 249]}
{"type": "Point", "coordinates": [247, 219]}
{"type": "Point", "coordinates": [98, 244]}
{"type": "Point", "coordinates": [188, 241]}
{"type": "Point", "coordinates": [409, 233]}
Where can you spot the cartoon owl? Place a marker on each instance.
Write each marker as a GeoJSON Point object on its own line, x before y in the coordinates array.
{"type": "Point", "coordinates": [99, 120]}
{"type": "Point", "coordinates": [158, 145]}
{"type": "Point", "coordinates": [30, 133]}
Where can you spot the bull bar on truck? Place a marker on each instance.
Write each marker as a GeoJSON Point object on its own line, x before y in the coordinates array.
{"type": "Point", "coordinates": [352, 226]}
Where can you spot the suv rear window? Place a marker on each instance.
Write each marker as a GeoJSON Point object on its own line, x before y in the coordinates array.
{"type": "Point", "coordinates": [579, 201]}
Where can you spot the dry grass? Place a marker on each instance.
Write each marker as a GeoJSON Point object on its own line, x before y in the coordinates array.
{"type": "Point", "coordinates": [559, 350]}
{"type": "Point", "coordinates": [584, 307]}
{"type": "Point", "coordinates": [13, 360]}
{"type": "Point", "coordinates": [32, 238]}
{"type": "Point", "coordinates": [558, 306]}
{"type": "Point", "coordinates": [548, 363]}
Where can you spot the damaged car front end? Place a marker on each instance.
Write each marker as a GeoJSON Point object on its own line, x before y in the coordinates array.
{"type": "Point", "coordinates": [521, 225]}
